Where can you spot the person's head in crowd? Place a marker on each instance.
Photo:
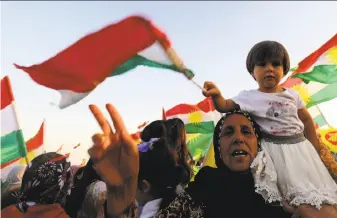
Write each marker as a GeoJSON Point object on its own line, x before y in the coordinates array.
{"type": "Point", "coordinates": [82, 179]}
{"type": "Point", "coordinates": [236, 141]}
{"type": "Point", "coordinates": [159, 174]}
{"type": "Point", "coordinates": [46, 183]}
{"type": "Point", "coordinates": [177, 132]}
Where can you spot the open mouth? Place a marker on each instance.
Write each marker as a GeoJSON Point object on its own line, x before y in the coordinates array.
{"type": "Point", "coordinates": [239, 153]}
{"type": "Point", "coordinates": [269, 77]}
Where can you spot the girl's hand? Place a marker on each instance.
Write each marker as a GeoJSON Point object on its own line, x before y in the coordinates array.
{"type": "Point", "coordinates": [114, 153]}
{"type": "Point", "coordinates": [211, 90]}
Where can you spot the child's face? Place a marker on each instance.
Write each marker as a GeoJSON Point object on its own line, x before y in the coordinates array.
{"type": "Point", "coordinates": [268, 74]}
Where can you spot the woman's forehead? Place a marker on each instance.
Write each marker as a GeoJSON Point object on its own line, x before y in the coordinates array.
{"type": "Point", "coordinates": [237, 120]}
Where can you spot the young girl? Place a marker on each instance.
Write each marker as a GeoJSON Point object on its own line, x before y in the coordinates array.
{"type": "Point", "coordinates": [288, 168]}
{"type": "Point", "coordinates": [174, 131]}
{"type": "Point", "coordinates": [159, 175]}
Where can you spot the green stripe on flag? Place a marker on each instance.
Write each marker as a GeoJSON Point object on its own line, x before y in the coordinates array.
{"type": "Point", "coordinates": [199, 145]}
{"type": "Point", "coordinates": [320, 120]}
{"type": "Point", "coordinates": [326, 94]}
{"type": "Point", "coordinates": [12, 146]}
{"type": "Point", "coordinates": [202, 128]}
{"type": "Point", "coordinates": [326, 74]}
{"type": "Point", "coordinates": [141, 61]}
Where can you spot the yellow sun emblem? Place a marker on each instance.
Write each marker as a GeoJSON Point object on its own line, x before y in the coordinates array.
{"type": "Point", "coordinates": [303, 92]}
{"type": "Point", "coordinates": [195, 117]}
{"type": "Point", "coordinates": [190, 138]}
{"type": "Point", "coordinates": [331, 54]}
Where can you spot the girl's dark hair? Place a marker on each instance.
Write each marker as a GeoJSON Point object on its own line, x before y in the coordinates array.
{"type": "Point", "coordinates": [82, 179]}
{"type": "Point", "coordinates": [176, 131]}
{"type": "Point", "coordinates": [156, 129]}
{"type": "Point", "coordinates": [159, 168]}
{"type": "Point", "coordinates": [267, 51]}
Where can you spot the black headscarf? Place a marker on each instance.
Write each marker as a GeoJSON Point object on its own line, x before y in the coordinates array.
{"type": "Point", "coordinates": [47, 180]}
{"type": "Point", "coordinates": [226, 193]}
{"type": "Point", "coordinates": [218, 132]}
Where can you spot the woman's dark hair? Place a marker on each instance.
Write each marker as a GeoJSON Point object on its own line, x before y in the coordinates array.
{"type": "Point", "coordinates": [82, 179]}
{"type": "Point", "coordinates": [177, 133]}
{"type": "Point", "coordinates": [156, 129]}
{"type": "Point", "coordinates": [158, 166]}
{"type": "Point", "coordinates": [267, 51]}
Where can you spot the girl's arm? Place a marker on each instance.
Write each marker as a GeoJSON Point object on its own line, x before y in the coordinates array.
{"type": "Point", "coordinates": [309, 128]}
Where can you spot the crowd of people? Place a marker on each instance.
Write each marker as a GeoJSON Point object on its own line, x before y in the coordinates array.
{"type": "Point", "coordinates": [267, 163]}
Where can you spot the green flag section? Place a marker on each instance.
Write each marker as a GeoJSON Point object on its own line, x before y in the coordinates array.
{"type": "Point", "coordinates": [12, 140]}
{"type": "Point", "coordinates": [327, 93]}
{"type": "Point", "coordinates": [113, 50]}
{"type": "Point", "coordinates": [320, 121]}
{"type": "Point", "coordinates": [200, 120]}
{"type": "Point", "coordinates": [325, 55]}
{"type": "Point", "coordinates": [12, 146]}
{"type": "Point", "coordinates": [326, 74]}
{"type": "Point", "coordinates": [202, 127]}
{"type": "Point", "coordinates": [315, 78]}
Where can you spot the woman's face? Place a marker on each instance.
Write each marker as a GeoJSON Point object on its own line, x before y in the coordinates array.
{"type": "Point", "coordinates": [238, 143]}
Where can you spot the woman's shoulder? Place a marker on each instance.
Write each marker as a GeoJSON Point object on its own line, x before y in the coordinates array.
{"type": "Point", "coordinates": [205, 175]}
{"type": "Point", "coordinates": [182, 206]}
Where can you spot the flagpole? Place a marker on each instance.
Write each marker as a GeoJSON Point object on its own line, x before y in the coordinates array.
{"type": "Point", "coordinates": [322, 115]}
{"type": "Point", "coordinates": [180, 65]}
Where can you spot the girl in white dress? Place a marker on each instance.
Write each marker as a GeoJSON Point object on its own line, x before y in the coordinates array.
{"type": "Point", "coordinates": [288, 168]}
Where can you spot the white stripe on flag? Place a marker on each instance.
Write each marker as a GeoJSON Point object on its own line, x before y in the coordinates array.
{"type": "Point", "coordinates": [156, 53]}
{"type": "Point", "coordinates": [8, 120]}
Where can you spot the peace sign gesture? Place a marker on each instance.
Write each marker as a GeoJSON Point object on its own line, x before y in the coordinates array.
{"type": "Point", "coordinates": [114, 153]}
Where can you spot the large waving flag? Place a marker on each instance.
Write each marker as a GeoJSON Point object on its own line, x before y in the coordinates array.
{"type": "Point", "coordinates": [12, 141]}
{"type": "Point", "coordinates": [200, 121]}
{"type": "Point", "coordinates": [315, 78]}
{"type": "Point", "coordinates": [111, 51]}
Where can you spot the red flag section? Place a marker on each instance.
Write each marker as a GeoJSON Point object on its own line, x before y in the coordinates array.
{"type": "Point", "coordinates": [6, 92]}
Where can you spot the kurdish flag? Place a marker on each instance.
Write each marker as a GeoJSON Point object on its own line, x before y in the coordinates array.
{"type": "Point", "coordinates": [12, 141]}
{"type": "Point", "coordinates": [200, 121]}
{"type": "Point", "coordinates": [34, 148]}
{"type": "Point", "coordinates": [315, 78]}
{"type": "Point", "coordinates": [111, 51]}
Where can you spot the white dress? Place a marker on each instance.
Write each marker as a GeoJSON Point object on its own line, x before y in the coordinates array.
{"type": "Point", "coordinates": [288, 166]}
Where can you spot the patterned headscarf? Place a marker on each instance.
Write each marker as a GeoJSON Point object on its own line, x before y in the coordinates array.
{"type": "Point", "coordinates": [218, 132]}
{"type": "Point", "coordinates": [47, 180]}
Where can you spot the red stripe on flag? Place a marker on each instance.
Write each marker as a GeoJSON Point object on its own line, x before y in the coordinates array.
{"type": "Point", "coordinates": [81, 71]}
{"type": "Point", "coordinates": [206, 106]}
{"type": "Point", "coordinates": [306, 63]}
{"type": "Point", "coordinates": [37, 140]}
{"type": "Point", "coordinates": [6, 92]}
{"type": "Point", "coordinates": [9, 163]}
